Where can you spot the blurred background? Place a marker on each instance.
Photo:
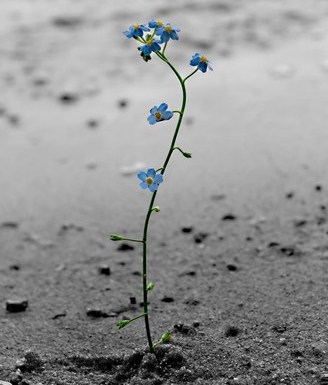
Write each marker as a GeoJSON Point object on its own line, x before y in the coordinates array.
{"type": "Point", "coordinates": [75, 97]}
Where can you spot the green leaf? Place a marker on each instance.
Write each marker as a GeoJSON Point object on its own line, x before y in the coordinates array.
{"type": "Point", "coordinates": [150, 286]}
{"type": "Point", "coordinates": [123, 323]}
{"type": "Point", "coordinates": [166, 337]}
{"type": "Point", "coordinates": [116, 237]}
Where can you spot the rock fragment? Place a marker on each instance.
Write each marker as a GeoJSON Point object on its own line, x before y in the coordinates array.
{"type": "Point", "coordinates": [16, 305]}
{"type": "Point", "coordinates": [104, 270]}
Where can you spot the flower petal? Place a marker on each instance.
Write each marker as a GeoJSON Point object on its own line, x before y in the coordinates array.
{"type": "Point", "coordinates": [174, 35]}
{"type": "Point", "coordinates": [162, 107]}
{"type": "Point", "coordinates": [143, 185]}
{"type": "Point", "coordinates": [158, 178]}
{"type": "Point", "coordinates": [151, 119]}
{"type": "Point", "coordinates": [151, 173]}
{"type": "Point", "coordinates": [142, 176]}
{"type": "Point", "coordinates": [153, 187]}
{"type": "Point", "coordinates": [166, 115]}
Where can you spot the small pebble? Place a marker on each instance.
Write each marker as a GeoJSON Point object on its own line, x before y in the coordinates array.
{"type": "Point", "coordinates": [300, 222]}
{"type": "Point", "coordinates": [192, 302]}
{"type": "Point", "coordinates": [324, 379]}
{"type": "Point", "coordinates": [318, 188]}
{"type": "Point", "coordinates": [122, 103]}
{"type": "Point", "coordinates": [184, 329]}
{"type": "Point", "coordinates": [200, 237]}
{"type": "Point", "coordinates": [104, 270]}
{"type": "Point", "coordinates": [96, 313]}
{"type": "Point", "coordinates": [14, 267]}
{"type": "Point", "coordinates": [231, 267]}
{"type": "Point", "coordinates": [125, 247]}
{"type": "Point", "coordinates": [92, 123]}
{"type": "Point", "coordinates": [229, 217]}
{"type": "Point", "coordinates": [290, 195]}
{"type": "Point", "coordinates": [289, 251]}
{"type": "Point", "coordinates": [68, 98]}
{"type": "Point", "coordinates": [231, 331]}
{"type": "Point", "coordinates": [187, 229]}
{"type": "Point", "coordinates": [167, 299]}
{"type": "Point", "coordinates": [16, 305]}
{"type": "Point", "coordinates": [133, 300]}
{"type": "Point", "coordinates": [9, 225]}
{"type": "Point", "coordinates": [196, 324]}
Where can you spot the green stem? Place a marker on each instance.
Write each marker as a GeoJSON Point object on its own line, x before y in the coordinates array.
{"type": "Point", "coordinates": [145, 231]}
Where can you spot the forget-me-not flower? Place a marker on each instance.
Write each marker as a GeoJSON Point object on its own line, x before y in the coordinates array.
{"type": "Point", "coordinates": [136, 30]}
{"type": "Point", "coordinates": [151, 45]}
{"type": "Point", "coordinates": [167, 32]}
{"type": "Point", "coordinates": [201, 62]}
{"type": "Point", "coordinates": [150, 179]}
{"type": "Point", "coordinates": [158, 114]}
{"type": "Point", "coordinates": [155, 24]}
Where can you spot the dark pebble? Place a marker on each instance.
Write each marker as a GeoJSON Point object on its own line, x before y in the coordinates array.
{"type": "Point", "coordinates": [104, 270]}
{"type": "Point", "coordinates": [92, 123]}
{"type": "Point", "coordinates": [196, 324]}
{"type": "Point", "coordinates": [122, 103]}
{"type": "Point", "coordinates": [16, 305]}
{"type": "Point", "coordinates": [9, 225]}
{"type": "Point", "coordinates": [290, 195]}
{"type": "Point", "coordinates": [133, 300]}
{"type": "Point", "coordinates": [248, 239]}
{"type": "Point", "coordinates": [96, 313]}
{"type": "Point", "coordinates": [200, 237]}
{"type": "Point", "coordinates": [324, 379]}
{"type": "Point", "coordinates": [137, 273]}
{"type": "Point", "coordinates": [231, 267]}
{"type": "Point", "coordinates": [229, 217]}
{"type": "Point", "coordinates": [167, 299]}
{"type": "Point", "coordinates": [318, 187]}
{"type": "Point", "coordinates": [125, 247]}
{"type": "Point", "coordinates": [321, 221]}
{"type": "Point", "coordinates": [184, 329]}
{"type": "Point", "coordinates": [192, 302]}
{"type": "Point", "coordinates": [279, 328]}
{"type": "Point", "coordinates": [289, 251]}
{"type": "Point", "coordinates": [187, 230]}
{"type": "Point", "coordinates": [300, 222]}
{"type": "Point", "coordinates": [323, 207]}
{"type": "Point", "coordinates": [59, 315]}
{"type": "Point", "coordinates": [68, 98]}
{"type": "Point", "coordinates": [13, 120]}
{"type": "Point", "coordinates": [14, 267]}
{"type": "Point", "coordinates": [231, 331]}
{"type": "Point", "coordinates": [273, 244]}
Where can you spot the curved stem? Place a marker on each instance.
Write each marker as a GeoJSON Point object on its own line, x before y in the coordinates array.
{"type": "Point", "coordinates": [149, 212]}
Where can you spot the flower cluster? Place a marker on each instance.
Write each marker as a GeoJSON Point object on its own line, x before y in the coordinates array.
{"type": "Point", "coordinates": [154, 38]}
{"type": "Point", "coordinates": [165, 32]}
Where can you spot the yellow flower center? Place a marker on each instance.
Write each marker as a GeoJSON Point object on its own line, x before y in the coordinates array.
{"type": "Point", "coordinates": [203, 59]}
{"type": "Point", "coordinates": [160, 23]}
{"type": "Point", "coordinates": [158, 115]}
{"type": "Point", "coordinates": [149, 180]}
{"type": "Point", "coordinates": [149, 41]}
{"type": "Point", "coordinates": [136, 26]}
{"type": "Point", "coordinates": [168, 28]}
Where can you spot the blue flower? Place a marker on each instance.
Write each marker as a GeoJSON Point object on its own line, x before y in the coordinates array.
{"type": "Point", "coordinates": [158, 114]}
{"type": "Point", "coordinates": [167, 32]}
{"type": "Point", "coordinates": [136, 30]}
{"type": "Point", "coordinates": [155, 24]}
{"type": "Point", "coordinates": [201, 62]}
{"type": "Point", "coordinates": [150, 46]}
{"type": "Point", "coordinates": [150, 179]}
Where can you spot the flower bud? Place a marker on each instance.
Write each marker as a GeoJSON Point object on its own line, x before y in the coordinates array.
{"type": "Point", "coordinates": [156, 209]}
{"type": "Point", "coordinates": [166, 337]}
{"type": "Point", "coordinates": [123, 323]}
{"type": "Point", "coordinates": [187, 154]}
{"type": "Point", "coordinates": [116, 237]}
{"type": "Point", "coordinates": [150, 286]}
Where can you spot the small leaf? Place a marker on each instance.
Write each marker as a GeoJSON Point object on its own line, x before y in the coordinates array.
{"type": "Point", "coordinates": [116, 237]}
{"type": "Point", "coordinates": [150, 286]}
{"type": "Point", "coordinates": [156, 209]}
{"type": "Point", "coordinates": [123, 323]}
{"type": "Point", "coordinates": [166, 337]}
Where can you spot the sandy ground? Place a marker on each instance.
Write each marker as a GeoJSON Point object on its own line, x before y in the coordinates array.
{"type": "Point", "coordinates": [252, 296]}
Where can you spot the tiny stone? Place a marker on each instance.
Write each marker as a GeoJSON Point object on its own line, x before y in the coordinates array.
{"type": "Point", "coordinates": [104, 270]}
{"type": "Point", "coordinates": [289, 251]}
{"type": "Point", "coordinates": [16, 305]}
{"type": "Point", "coordinates": [14, 267]}
{"type": "Point", "coordinates": [290, 195]}
{"type": "Point", "coordinates": [300, 222]}
{"type": "Point", "coordinates": [192, 302]}
{"type": "Point", "coordinates": [318, 188]}
{"type": "Point", "coordinates": [279, 328]}
{"type": "Point", "coordinates": [324, 379]}
{"type": "Point", "coordinates": [167, 299]}
{"type": "Point", "coordinates": [9, 225]}
{"type": "Point", "coordinates": [196, 324]}
{"type": "Point", "coordinates": [122, 103]}
{"type": "Point", "coordinates": [92, 123]}
{"type": "Point", "coordinates": [96, 313]}
{"type": "Point", "coordinates": [20, 364]}
{"type": "Point", "coordinates": [184, 329]}
{"type": "Point", "coordinates": [273, 244]}
{"type": "Point", "coordinates": [231, 267]}
{"type": "Point", "coordinates": [187, 229]}
{"type": "Point", "coordinates": [68, 98]}
{"type": "Point", "coordinates": [125, 247]}
{"type": "Point", "coordinates": [200, 237]}
{"type": "Point", "coordinates": [137, 273]}
{"type": "Point", "coordinates": [231, 331]}
{"type": "Point", "coordinates": [229, 217]}
{"type": "Point", "coordinates": [133, 300]}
